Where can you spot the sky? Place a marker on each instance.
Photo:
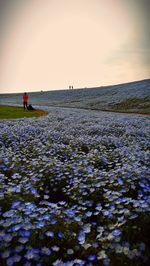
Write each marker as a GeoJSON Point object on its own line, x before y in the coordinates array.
{"type": "Point", "coordinates": [52, 44]}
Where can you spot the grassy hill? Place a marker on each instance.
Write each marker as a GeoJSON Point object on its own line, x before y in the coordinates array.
{"type": "Point", "coordinates": [128, 97]}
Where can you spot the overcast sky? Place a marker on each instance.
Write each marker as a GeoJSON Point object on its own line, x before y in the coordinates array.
{"type": "Point", "coordinates": [51, 44]}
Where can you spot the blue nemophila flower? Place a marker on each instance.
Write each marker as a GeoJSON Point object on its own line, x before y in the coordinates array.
{"type": "Point", "coordinates": [55, 248]}
{"type": "Point", "coordinates": [60, 234]}
{"type": "Point", "coordinates": [46, 197]}
{"type": "Point", "coordinates": [68, 263]}
{"type": "Point", "coordinates": [88, 214]}
{"type": "Point", "coordinates": [106, 262]}
{"type": "Point", "coordinates": [17, 189]}
{"type": "Point", "coordinates": [7, 237]}
{"type": "Point", "coordinates": [116, 232]}
{"type": "Point", "coordinates": [53, 221]}
{"type": "Point", "coordinates": [49, 234]}
{"type": "Point", "coordinates": [30, 254]}
{"type": "Point", "coordinates": [120, 181]}
{"type": "Point", "coordinates": [24, 233]}
{"type": "Point", "coordinates": [30, 205]}
{"type": "Point", "coordinates": [98, 208]}
{"type": "Point", "coordinates": [28, 211]}
{"type": "Point", "coordinates": [79, 262]}
{"type": "Point", "coordinates": [58, 263]}
{"type": "Point", "coordinates": [5, 254]}
{"type": "Point", "coordinates": [46, 216]}
{"type": "Point", "coordinates": [102, 255]}
{"type": "Point", "coordinates": [92, 257]}
{"type": "Point", "coordinates": [81, 237]}
{"type": "Point", "coordinates": [16, 227]}
{"type": "Point", "coordinates": [77, 218]}
{"type": "Point", "coordinates": [15, 204]}
{"type": "Point", "coordinates": [16, 258]}
{"type": "Point", "coordinates": [70, 213]}
{"type": "Point", "coordinates": [40, 224]}
{"type": "Point", "coordinates": [23, 240]}
{"type": "Point", "coordinates": [87, 228]}
{"type": "Point", "coordinates": [10, 261]}
{"type": "Point", "coordinates": [19, 248]}
{"type": "Point", "coordinates": [62, 202]}
{"type": "Point", "coordinates": [46, 251]}
{"type": "Point", "coordinates": [107, 213]}
{"type": "Point", "coordinates": [70, 251]}
{"type": "Point", "coordinates": [2, 233]}
{"type": "Point", "coordinates": [33, 215]}
{"type": "Point", "coordinates": [9, 213]}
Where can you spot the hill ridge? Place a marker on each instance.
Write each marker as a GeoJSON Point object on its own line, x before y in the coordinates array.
{"type": "Point", "coordinates": [129, 97]}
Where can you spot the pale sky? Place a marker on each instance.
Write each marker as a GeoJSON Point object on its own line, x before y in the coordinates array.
{"type": "Point", "coordinates": [51, 44]}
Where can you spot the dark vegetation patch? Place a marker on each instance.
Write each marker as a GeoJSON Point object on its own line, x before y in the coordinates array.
{"type": "Point", "coordinates": [141, 105]}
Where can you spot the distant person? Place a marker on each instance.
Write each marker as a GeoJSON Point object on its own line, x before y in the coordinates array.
{"type": "Point", "coordinates": [25, 100]}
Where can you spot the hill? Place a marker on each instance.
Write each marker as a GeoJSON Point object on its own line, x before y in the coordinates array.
{"type": "Point", "coordinates": [128, 97]}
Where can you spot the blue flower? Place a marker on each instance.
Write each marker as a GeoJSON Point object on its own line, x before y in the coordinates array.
{"type": "Point", "coordinates": [60, 234]}
{"type": "Point", "coordinates": [107, 213]}
{"type": "Point", "coordinates": [16, 258]}
{"type": "Point", "coordinates": [106, 262]}
{"type": "Point", "coordinates": [24, 233]}
{"type": "Point", "coordinates": [116, 232]}
{"type": "Point", "coordinates": [16, 227]}
{"type": "Point", "coordinates": [8, 213]}
{"type": "Point", "coordinates": [5, 254]}
{"type": "Point", "coordinates": [53, 221]}
{"type": "Point", "coordinates": [55, 248]}
{"type": "Point", "coordinates": [120, 181]}
{"type": "Point", "coordinates": [92, 257]}
{"type": "Point", "coordinates": [40, 224]}
{"type": "Point", "coordinates": [23, 240]}
{"type": "Point", "coordinates": [30, 254]}
{"type": "Point", "coordinates": [77, 218]}
{"type": "Point", "coordinates": [10, 261]}
{"type": "Point", "coordinates": [81, 237]}
{"type": "Point", "coordinates": [46, 216]}
{"type": "Point", "coordinates": [8, 237]}
{"type": "Point", "coordinates": [49, 234]}
{"type": "Point", "coordinates": [33, 191]}
{"type": "Point", "coordinates": [16, 204]}
{"type": "Point", "coordinates": [46, 251]}
{"type": "Point", "coordinates": [28, 211]}
{"type": "Point", "coordinates": [19, 248]}
{"type": "Point", "coordinates": [88, 214]}
{"type": "Point", "coordinates": [70, 213]}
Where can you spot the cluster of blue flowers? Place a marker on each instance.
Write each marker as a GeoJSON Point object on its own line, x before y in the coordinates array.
{"type": "Point", "coordinates": [74, 189]}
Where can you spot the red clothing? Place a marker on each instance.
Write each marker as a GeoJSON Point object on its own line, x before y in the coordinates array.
{"type": "Point", "coordinates": [25, 98]}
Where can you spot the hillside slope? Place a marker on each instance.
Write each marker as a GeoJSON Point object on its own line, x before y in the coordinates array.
{"type": "Point", "coordinates": [128, 97]}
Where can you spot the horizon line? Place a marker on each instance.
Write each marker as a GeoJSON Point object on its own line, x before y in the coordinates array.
{"type": "Point", "coordinates": [76, 88]}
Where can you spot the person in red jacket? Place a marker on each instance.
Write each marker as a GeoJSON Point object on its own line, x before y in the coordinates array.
{"type": "Point", "coordinates": [25, 100]}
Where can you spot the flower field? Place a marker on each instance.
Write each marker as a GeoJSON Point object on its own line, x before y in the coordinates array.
{"type": "Point", "coordinates": [74, 189]}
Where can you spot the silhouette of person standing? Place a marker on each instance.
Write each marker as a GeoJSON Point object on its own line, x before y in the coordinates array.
{"type": "Point", "coordinates": [25, 100]}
